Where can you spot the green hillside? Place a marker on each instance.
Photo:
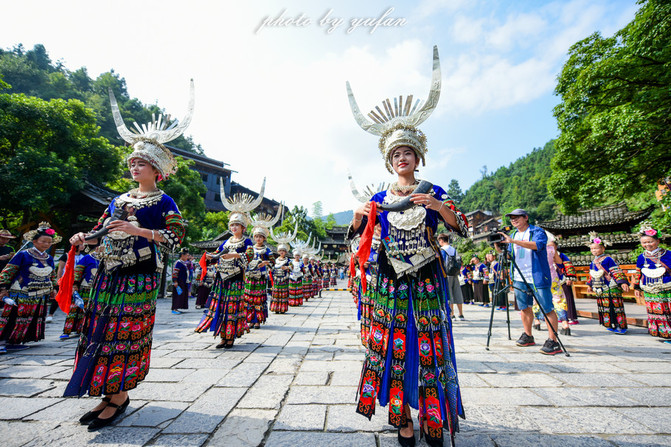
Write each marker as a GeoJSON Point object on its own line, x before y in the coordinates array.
{"type": "Point", "coordinates": [522, 184]}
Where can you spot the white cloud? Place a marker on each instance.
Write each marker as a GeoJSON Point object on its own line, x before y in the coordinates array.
{"type": "Point", "coordinates": [274, 103]}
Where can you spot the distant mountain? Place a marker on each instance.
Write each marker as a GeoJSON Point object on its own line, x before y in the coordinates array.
{"type": "Point", "coordinates": [342, 218]}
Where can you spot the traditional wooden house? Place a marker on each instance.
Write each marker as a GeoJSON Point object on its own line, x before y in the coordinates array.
{"type": "Point", "coordinates": [614, 223]}
{"type": "Point", "coordinates": [334, 245]}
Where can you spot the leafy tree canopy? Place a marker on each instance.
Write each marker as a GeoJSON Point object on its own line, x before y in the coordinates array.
{"type": "Point", "coordinates": [454, 191]}
{"type": "Point", "coordinates": [47, 150]}
{"type": "Point", "coordinates": [32, 72]}
{"type": "Point", "coordinates": [615, 112]}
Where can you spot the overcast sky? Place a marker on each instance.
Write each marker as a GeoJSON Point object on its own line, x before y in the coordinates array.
{"type": "Point", "coordinates": [271, 100]}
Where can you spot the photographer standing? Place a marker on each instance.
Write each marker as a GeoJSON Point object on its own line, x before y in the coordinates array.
{"type": "Point", "coordinates": [527, 247]}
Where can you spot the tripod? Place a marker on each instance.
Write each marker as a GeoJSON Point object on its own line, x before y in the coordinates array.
{"type": "Point", "coordinates": [500, 289]}
{"type": "Point", "coordinates": [529, 290]}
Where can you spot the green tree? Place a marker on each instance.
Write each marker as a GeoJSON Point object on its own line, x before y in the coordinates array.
{"type": "Point", "coordinates": [317, 210]}
{"type": "Point", "coordinates": [214, 223]}
{"type": "Point", "coordinates": [48, 149]}
{"type": "Point", "coordinates": [614, 115]}
{"type": "Point", "coordinates": [330, 221]}
{"type": "Point", "coordinates": [454, 191]}
{"type": "Point", "coordinates": [32, 72]}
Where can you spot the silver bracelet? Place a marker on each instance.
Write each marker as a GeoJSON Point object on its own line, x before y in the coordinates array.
{"type": "Point", "coordinates": [152, 235]}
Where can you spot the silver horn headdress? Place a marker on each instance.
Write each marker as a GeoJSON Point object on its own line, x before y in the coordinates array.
{"type": "Point", "coordinates": [300, 246]}
{"type": "Point", "coordinates": [263, 222]}
{"type": "Point", "coordinates": [148, 139]}
{"type": "Point", "coordinates": [241, 204]}
{"type": "Point", "coordinates": [397, 124]}
{"type": "Point", "coordinates": [284, 239]}
{"type": "Point", "coordinates": [368, 192]}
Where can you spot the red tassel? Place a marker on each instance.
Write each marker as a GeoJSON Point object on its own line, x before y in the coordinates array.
{"type": "Point", "coordinates": [65, 283]}
{"type": "Point", "coordinates": [366, 241]}
{"type": "Point", "coordinates": [203, 266]}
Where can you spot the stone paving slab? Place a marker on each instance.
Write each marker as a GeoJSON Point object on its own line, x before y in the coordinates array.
{"type": "Point", "coordinates": [243, 428]}
{"type": "Point", "coordinates": [205, 414]}
{"type": "Point", "coordinates": [301, 417]}
{"type": "Point", "coordinates": [293, 382]}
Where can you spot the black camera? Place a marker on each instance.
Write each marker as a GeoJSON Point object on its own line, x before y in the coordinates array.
{"type": "Point", "coordinates": [496, 237]}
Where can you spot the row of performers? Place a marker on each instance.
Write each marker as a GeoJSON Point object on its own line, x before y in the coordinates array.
{"type": "Point", "coordinates": [291, 281]}
{"type": "Point", "coordinates": [234, 285]}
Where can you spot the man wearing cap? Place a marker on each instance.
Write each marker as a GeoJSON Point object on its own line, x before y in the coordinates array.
{"type": "Point", "coordinates": [6, 252]}
{"type": "Point", "coordinates": [527, 247]}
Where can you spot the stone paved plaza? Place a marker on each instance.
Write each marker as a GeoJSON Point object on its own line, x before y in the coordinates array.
{"type": "Point", "coordinates": [293, 383]}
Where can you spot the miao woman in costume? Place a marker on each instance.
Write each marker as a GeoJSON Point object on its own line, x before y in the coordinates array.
{"type": "Point", "coordinates": [607, 281]}
{"type": "Point", "coordinates": [114, 349]}
{"type": "Point", "coordinates": [227, 314]}
{"type": "Point", "coordinates": [296, 280]}
{"type": "Point", "coordinates": [256, 275]}
{"type": "Point", "coordinates": [26, 284]}
{"type": "Point", "coordinates": [410, 358]}
{"type": "Point", "coordinates": [281, 271]}
{"type": "Point", "coordinates": [653, 282]}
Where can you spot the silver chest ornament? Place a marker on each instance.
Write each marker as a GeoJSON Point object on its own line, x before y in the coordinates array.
{"type": "Point", "coordinates": [404, 220]}
{"type": "Point", "coordinates": [654, 282]}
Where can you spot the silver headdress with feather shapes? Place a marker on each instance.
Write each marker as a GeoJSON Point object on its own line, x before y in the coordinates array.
{"type": "Point", "coordinates": [300, 246]}
{"type": "Point", "coordinates": [241, 204]}
{"type": "Point", "coordinates": [397, 123]}
{"type": "Point", "coordinates": [368, 191]}
{"type": "Point", "coordinates": [263, 222]}
{"type": "Point", "coordinates": [148, 139]}
{"type": "Point", "coordinates": [284, 239]}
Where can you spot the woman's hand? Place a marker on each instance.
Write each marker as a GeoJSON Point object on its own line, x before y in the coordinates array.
{"type": "Point", "coordinates": [589, 289]}
{"type": "Point", "coordinates": [638, 294]}
{"type": "Point", "coordinates": [362, 211]}
{"type": "Point", "coordinates": [125, 226]}
{"type": "Point", "coordinates": [625, 287]}
{"type": "Point", "coordinates": [78, 239]}
{"type": "Point", "coordinates": [427, 200]}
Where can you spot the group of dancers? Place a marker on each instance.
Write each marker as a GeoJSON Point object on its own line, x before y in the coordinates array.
{"type": "Point", "coordinates": [410, 355]}
{"type": "Point", "coordinates": [242, 269]}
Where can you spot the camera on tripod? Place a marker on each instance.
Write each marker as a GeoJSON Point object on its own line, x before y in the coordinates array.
{"type": "Point", "coordinates": [496, 237]}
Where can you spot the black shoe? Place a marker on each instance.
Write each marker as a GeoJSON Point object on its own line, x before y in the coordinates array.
{"type": "Point", "coordinates": [98, 423]}
{"type": "Point", "coordinates": [432, 441]}
{"type": "Point", "coordinates": [551, 347]}
{"type": "Point", "coordinates": [221, 345]}
{"type": "Point", "coordinates": [406, 442]}
{"type": "Point", "coordinates": [565, 331]}
{"type": "Point", "coordinates": [91, 415]}
{"type": "Point", "coordinates": [537, 326]}
{"type": "Point", "coordinates": [526, 340]}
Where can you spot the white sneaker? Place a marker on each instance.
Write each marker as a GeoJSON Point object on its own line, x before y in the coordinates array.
{"type": "Point", "coordinates": [49, 319]}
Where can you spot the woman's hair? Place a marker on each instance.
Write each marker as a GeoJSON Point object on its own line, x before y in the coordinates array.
{"type": "Point", "coordinates": [654, 236]}
{"type": "Point", "coordinates": [44, 232]}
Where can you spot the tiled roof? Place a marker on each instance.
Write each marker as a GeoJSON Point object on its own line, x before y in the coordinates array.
{"type": "Point", "coordinates": [604, 216]}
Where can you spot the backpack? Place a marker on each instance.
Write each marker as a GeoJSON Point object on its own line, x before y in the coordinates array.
{"type": "Point", "coordinates": [452, 263]}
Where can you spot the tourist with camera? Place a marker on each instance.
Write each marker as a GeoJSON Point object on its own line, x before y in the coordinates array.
{"type": "Point", "coordinates": [527, 249]}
